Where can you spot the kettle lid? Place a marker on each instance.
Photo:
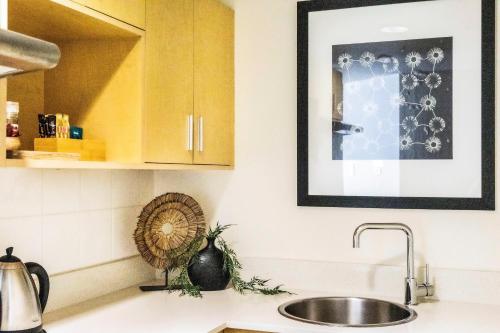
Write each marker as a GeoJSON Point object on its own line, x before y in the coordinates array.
{"type": "Point", "coordinates": [9, 257]}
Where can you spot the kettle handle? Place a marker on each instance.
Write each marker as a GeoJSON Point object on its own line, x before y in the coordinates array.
{"type": "Point", "coordinates": [43, 280]}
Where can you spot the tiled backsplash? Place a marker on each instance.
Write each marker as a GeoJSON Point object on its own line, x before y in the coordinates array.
{"type": "Point", "coordinates": [69, 219]}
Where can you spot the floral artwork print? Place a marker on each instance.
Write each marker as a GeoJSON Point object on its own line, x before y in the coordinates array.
{"type": "Point", "coordinates": [392, 100]}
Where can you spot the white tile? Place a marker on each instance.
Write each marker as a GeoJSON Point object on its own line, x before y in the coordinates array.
{"type": "Point", "coordinates": [61, 191]}
{"type": "Point", "coordinates": [20, 192]}
{"type": "Point", "coordinates": [25, 235]}
{"type": "Point", "coordinates": [61, 242]}
{"type": "Point", "coordinates": [95, 237]}
{"type": "Point", "coordinates": [124, 224]}
{"type": "Point", "coordinates": [95, 189]}
{"type": "Point", "coordinates": [146, 190]}
{"type": "Point", "coordinates": [125, 188]}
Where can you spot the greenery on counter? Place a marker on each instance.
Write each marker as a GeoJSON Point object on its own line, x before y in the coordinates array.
{"type": "Point", "coordinates": [183, 284]}
{"type": "Point", "coordinates": [231, 264]}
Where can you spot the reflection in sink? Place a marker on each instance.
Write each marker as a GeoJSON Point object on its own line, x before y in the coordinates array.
{"type": "Point", "coordinates": [347, 311]}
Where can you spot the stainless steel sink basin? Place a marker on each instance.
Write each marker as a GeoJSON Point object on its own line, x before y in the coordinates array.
{"type": "Point", "coordinates": [347, 311]}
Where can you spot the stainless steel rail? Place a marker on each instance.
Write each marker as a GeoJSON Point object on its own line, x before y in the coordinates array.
{"type": "Point", "coordinates": [20, 54]}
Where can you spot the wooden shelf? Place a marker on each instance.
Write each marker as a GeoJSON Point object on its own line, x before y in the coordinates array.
{"type": "Point", "coordinates": [55, 164]}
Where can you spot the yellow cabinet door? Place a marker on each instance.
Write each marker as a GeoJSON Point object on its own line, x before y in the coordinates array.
{"type": "Point", "coordinates": [130, 11]}
{"type": "Point", "coordinates": [169, 121]}
{"type": "Point", "coordinates": [213, 83]}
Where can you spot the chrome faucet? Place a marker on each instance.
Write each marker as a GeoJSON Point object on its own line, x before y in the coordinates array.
{"type": "Point", "coordinates": [413, 289]}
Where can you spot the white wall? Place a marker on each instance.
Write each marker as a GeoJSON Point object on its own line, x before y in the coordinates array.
{"type": "Point", "coordinates": [70, 219]}
{"type": "Point", "coordinates": [260, 194]}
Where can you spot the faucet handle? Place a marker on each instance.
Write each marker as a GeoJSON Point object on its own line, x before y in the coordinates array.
{"type": "Point", "coordinates": [427, 281]}
{"type": "Point", "coordinates": [427, 285]}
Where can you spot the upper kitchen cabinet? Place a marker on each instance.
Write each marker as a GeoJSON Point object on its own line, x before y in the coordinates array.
{"type": "Point", "coordinates": [160, 98]}
{"type": "Point", "coordinates": [130, 11]}
{"type": "Point", "coordinates": [189, 115]}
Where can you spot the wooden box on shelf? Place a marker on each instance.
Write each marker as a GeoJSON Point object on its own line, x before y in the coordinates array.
{"type": "Point", "coordinates": [89, 150]}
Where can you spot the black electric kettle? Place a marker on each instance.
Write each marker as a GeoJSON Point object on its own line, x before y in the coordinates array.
{"type": "Point", "coordinates": [20, 306]}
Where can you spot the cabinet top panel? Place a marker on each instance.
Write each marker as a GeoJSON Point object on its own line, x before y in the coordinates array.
{"type": "Point", "coordinates": [65, 20]}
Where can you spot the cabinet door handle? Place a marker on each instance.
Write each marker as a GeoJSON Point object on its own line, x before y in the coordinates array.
{"type": "Point", "coordinates": [200, 134]}
{"type": "Point", "coordinates": [190, 132]}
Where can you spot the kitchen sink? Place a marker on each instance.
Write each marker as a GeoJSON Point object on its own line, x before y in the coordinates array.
{"type": "Point", "coordinates": [347, 311]}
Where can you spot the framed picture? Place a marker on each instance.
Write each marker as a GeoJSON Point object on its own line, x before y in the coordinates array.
{"type": "Point", "coordinates": [396, 104]}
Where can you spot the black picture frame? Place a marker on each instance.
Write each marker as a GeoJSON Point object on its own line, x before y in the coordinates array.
{"type": "Point", "coordinates": [487, 200]}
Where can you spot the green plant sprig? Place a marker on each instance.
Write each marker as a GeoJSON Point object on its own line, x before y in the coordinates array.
{"type": "Point", "coordinates": [219, 229]}
{"type": "Point", "coordinates": [182, 282]}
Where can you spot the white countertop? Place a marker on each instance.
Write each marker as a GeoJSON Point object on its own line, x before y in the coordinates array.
{"type": "Point", "coordinates": [130, 311]}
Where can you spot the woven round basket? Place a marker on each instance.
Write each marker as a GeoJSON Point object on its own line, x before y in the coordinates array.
{"type": "Point", "coordinates": [166, 229]}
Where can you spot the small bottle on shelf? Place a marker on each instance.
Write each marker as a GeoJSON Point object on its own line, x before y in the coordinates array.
{"type": "Point", "coordinates": [12, 141]}
{"type": "Point", "coordinates": [12, 118]}
{"type": "Point", "coordinates": [59, 125]}
{"type": "Point", "coordinates": [66, 126]}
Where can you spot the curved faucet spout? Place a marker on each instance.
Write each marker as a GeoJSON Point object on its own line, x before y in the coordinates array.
{"type": "Point", "coordinates": [390, 226]}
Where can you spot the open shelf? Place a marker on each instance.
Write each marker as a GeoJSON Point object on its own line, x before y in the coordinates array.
{"type": "Point", "coordinates": [55, 164]}
{"type": "Point", "coordinates": [98, 82]}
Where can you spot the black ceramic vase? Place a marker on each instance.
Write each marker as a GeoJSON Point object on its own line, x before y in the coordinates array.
{"type": "Point", "coordinates": [206, 270]}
